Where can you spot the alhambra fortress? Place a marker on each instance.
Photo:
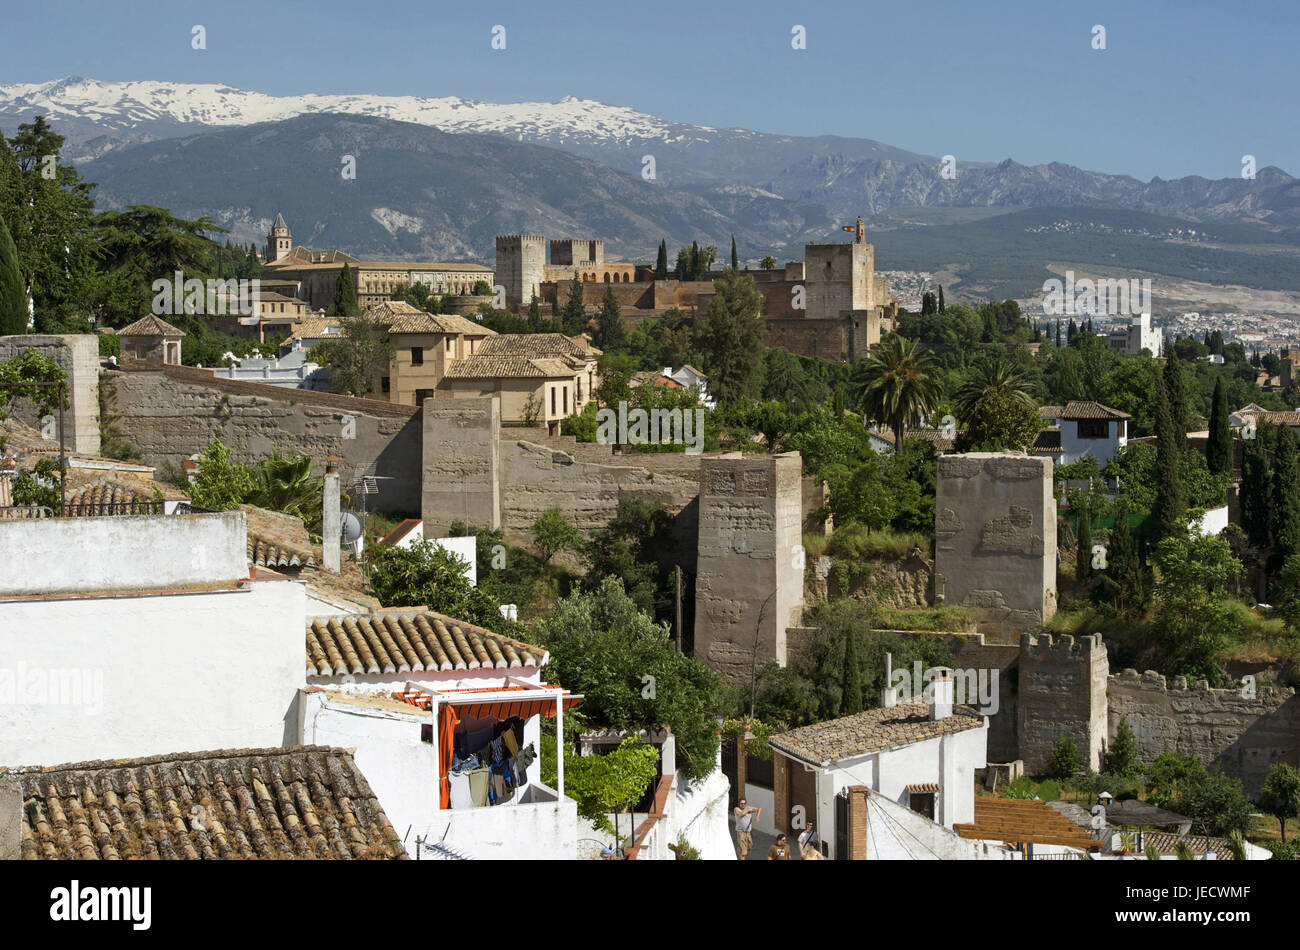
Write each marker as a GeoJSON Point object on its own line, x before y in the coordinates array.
{"type": "Point", "coordinates": [831, 305]}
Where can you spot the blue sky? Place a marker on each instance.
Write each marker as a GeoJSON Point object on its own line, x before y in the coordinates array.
{"type": "Point", "coordinates": [1182, 88]}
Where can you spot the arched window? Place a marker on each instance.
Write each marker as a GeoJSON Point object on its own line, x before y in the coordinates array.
{"type": "Point", "coordinates": [607, 278]}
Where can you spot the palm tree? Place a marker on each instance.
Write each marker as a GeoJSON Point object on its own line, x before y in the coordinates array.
{"type": "Point", "coordinates": [896, 386]}
{"type": "Point", "coordinates": [992, 375]}
{"type": "Point", "coordinates": [285, 483]}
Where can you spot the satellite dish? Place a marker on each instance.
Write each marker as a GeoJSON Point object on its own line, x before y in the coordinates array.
{"type": "Point", "coordinates": [351, 528]}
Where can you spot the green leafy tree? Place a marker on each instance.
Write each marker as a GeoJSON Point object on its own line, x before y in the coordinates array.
{"type": "Point", "coordinates": [358, 359]}
{"type": "Point", "coordinates": [1194, 619]}
{"type": "Point", "coordinates": [1121, 758]}
{"type": "Point", "coordinates": [1256, 477]}
{"type": "Point", "coordinates": [345, 294]}
{"type": "Point", "coordinates": [1066, 758]}
{"type": "Point", "coordinates": [732, 339]}
{"type": "Point", "coordinates": [632, 546]}
{"type": "Point", "coordinates": [1286, 592]}
{"type": "Point", "coordinates": [1216, 803]}
{"type": "Point", "coordinates": [851, 686]}
{"type": "Point", "coordinates": [534, 312]}
{"type": "Point", "coordinates": [1126, 581]}
{"type": "Point", "coordinates": [428, 576]}
{"type": "Point", "coordinates": [1218, 447]}
{"type": "Point", "coordinates": [1280, 794]}
{"type": "Point", "coordinates": [611, 783]}
{"type": "Point", "coordinates": [13, 296]}
{"type": "Point", "coordinates": [632, 677]}
{"type": "Point", "coordinates": [1000, 421]}
{"type": "Point", "coordinates": [897, 386]}
{"type": "Point", "coordinates": [553, 533]}
{"type": "Point", "coordinates": [221, 483]}
{"type": "Point", "coordinates": [1166, 775]}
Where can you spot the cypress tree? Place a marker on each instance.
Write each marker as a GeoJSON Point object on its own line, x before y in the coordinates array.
{"type": "Point", "coordinates": [1167, 511]}
{"type": "Point", "coordinates": [1176, 390]}
{"type": "Point", "coordinates": [1216, 343]}
{"type": "Point", "coordinates": [1255, 479]}
{"type": "Point", "coordinates": [534, 311]}
{"type": "Point", "coordinates": [851, 685]}
{"type": "Point", "coordinates": [735, 261]}
{"type": "Point", "coordinates": [1218, 447]}
{"type": "Point", "coordinates": [1058, 331]}
{"type": "Point", "coordinates": [661, 262]}
{"type": "Point", "coordinates": [1285, 496]}
{"type": "Point", "coordinates": [696, 267]}
{"type": "Point", "coordinates": [683, 271]}
{"type": "Point", "coordinates": [941, 306]}
{"type": "Point", "coordinates": [1069, 332]}
{"type": "Point", "coordinates": [1121, 757]}
{"type": "Point", "coordinates": [574, 315]}
{"type": "Point", "coordinates": [610, 334]}
{"type": "Point", "coordinates": [1125, 572]}
{"type": "Point", "coordinates": [13, 292]}
{"type": "Point", "coordinates": [345, 295]}
{"type": "Point", "coordinates": [1083, 554]}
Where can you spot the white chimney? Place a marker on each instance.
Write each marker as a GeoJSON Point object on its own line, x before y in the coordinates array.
{"type": "Point", "coordinates": [940, 694]}
{"type": "Point", "coordinates": [889, 695]}
{"type": "Point", "coordinates": [331, 520]}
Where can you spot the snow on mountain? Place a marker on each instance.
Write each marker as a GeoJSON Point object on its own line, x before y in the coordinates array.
{"type": "Point", "coordinates": [123, 105]}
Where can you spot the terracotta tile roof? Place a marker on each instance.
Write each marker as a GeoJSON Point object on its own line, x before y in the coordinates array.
{"type": "Point", "coordinates": [1083, 410]}
{"type": "Point", "coordinates": [310, 329]}
{"type": "Point", "coordinates": [874, 730]}
{"type": "Point", "coordinates": [410, 641]}
{"type": "Point", "coordinates": [508, 367]}
{"type": "Point", "coordinates": [934, 437]}
{"type": "Point", "coordinates": [543, 345]}
{"type": "Point", "coordinates": [300, 802]}
{"type": "Point", "coordinates": [150, 326]}
{"type": "Point", "coordinates": [922, 788]}
{"type": "Point", "coordinates": [105, 497]}
{"type": "Point", "coordinates": [277, 540]}
{"type": "Point", "coordinates": [1047, 442]}
{"type": "Point", "coordinates": [401, 317]}
{"type": "Point", "coordinates": [405, 527]}
{"type": "Point", "coordinates": [1279, 418]}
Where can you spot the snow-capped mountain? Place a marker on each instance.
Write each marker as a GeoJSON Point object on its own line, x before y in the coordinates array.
{"type": "Point", "coordinates": [125, 105]}
{"type": "Point", "coordinates": [97, 117]}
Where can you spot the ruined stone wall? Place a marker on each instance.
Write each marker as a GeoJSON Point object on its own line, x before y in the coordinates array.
{"type": "Point", "coordinates": [995, 539]}
{"type": "Point", "coordinates": [1243, 735]}
{"type": "Point", "coordinates": [174, 413]}
{"type": "Point", "coordinates": [78, 357]}
{"type": "Point", "coordinates": [748, 587]}
{"type": "Point", "coordinates": [902, 584]}
{"type": "Point", "coordinates": [1061, 690]}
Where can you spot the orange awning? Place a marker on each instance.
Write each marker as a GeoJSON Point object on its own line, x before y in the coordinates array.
{"type": "Point", "coordinates": [490, 701]}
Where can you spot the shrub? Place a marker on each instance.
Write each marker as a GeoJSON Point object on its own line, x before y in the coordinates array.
{"type": "Point", "coordinates": [1066, 758]}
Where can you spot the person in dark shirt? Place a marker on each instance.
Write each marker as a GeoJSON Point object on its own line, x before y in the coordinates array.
{"type": "Point", "coordinates": [779, 851]}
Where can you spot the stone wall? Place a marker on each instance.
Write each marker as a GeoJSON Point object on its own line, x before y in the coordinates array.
{"type": "Point", "coordinates": [995, 539]}
{"type": "Point", "coordinates": [1061, 691]}
{"type": "Point", "coordinates": [903, 584]}
{"type": "Point", "coordinates": [749, 579]}
{"type": "Point", "coordinates": [174, 413]}
{"type": "Point", "coordinates": [1244, 736]}
{"type": "Point", "coordinates": [78, 357]}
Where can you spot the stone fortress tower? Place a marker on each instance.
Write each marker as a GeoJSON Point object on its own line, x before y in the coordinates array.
{"type": "Point", "coordinates": [841, 284]}
{"type": "Point", "coordinates": [573, 252]}
{"type": "Point", "coordinates": [521, 267]}
{"type": "Point", "coordinates": [279, 242]}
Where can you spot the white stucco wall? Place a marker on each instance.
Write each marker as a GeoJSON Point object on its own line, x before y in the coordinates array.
{"type": "Point", "coordinates": [895, 832]}
{"type": "Point", "coordinates": [1213, 521]}
{"type": "Point", "coordinates": [57, 555]}
{"type": "Point", "coordinates": [949, 761]}
{"type": "Point", "coordinates": [158, 673]}
{"type": "Point", "coordinates": [1074, 448]}
{"type": "Point", "coordinates": [402, 772]}
{"type": "Point", "coordinates": [465, 548]}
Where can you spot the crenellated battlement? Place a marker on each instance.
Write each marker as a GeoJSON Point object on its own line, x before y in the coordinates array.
{"type": "Point", "coordinates": [517, 240]}
{"type": "Point", "coordinates": [1064, 646]}
{"type": "Point", "coordinates": [1159, 683]}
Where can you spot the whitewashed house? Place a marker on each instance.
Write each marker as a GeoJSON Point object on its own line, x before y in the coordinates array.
{"type": "Point", "coordinates": [1081, 429]}
{"type": "Point", "coordinates": [921, 756]}
{"type": "Point", "coordinates": [141, 635]}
